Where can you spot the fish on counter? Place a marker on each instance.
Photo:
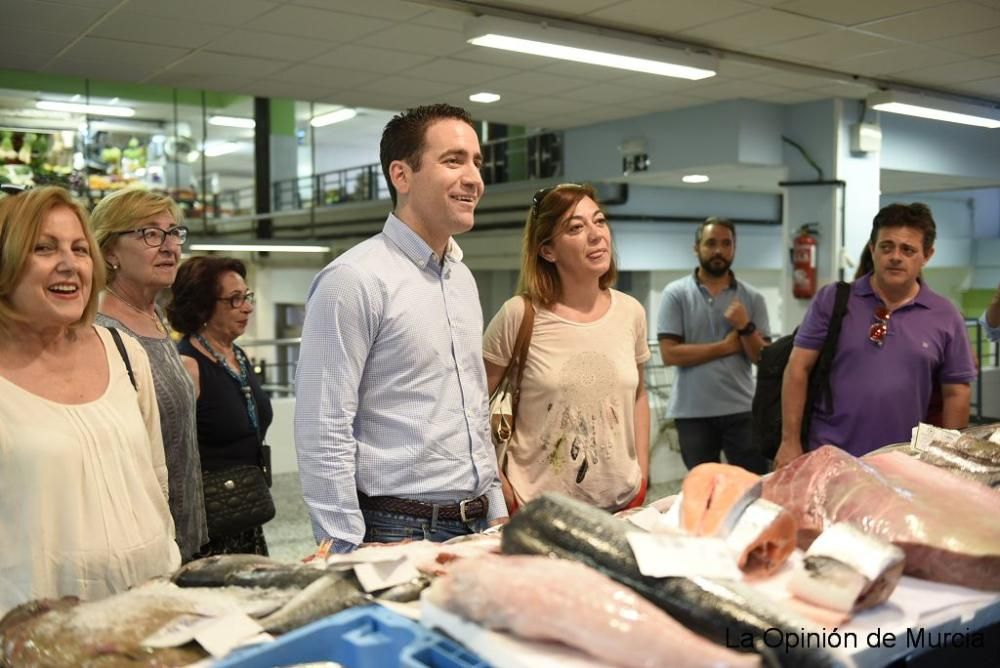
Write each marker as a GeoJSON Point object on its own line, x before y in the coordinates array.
{"type": "Point", "coordinates": [946, 525]}
{"type": "Point", "coordinates": [764, 536]}
{"type": "Point", "coordinates": [330, 594]}
{"type": "Point", "coordinates": [245, 570]}
{"type": "Point", "coordinates": [847, 570]}
{"type": "Point", "coordinates": [965, 455]}
{"type": "Point", "coordinates": [713, 496]}
{"type": "Point", "coordinates": [556, 526]}
{"type": "Point", "coordinates": [555, 600]}
{"type": "Point", "coordinates": [724, 501]}
{"type": "Point", "coordinates": [109, 633]}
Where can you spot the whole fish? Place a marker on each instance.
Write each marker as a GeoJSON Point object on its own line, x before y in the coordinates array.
{"type": "Point", "coordinates": [723, 612]}
{"type": "Point", "coordinates": [213, 571]}
{"type": "Point", "coordinates": [246, 570]}
{"type": "Point", "coordinates": [333, 592]}
{"type": "Point", "coordinates": [407, 591]}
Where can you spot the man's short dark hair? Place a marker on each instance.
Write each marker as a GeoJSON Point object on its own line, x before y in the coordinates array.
{"type": "Point", "coordinates": [916, 215]}
{"type": "Point", "coordinates": [714, 220]}
{"type": "Point", "coordinates": [403, 136]}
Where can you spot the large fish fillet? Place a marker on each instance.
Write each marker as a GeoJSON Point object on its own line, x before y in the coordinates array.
{"type": "Point", "coordinates": [563, 601]}
{"type": "Point", "coordinates": [946, 525]}
{"type": "Point", "coordinates": [557, 526]}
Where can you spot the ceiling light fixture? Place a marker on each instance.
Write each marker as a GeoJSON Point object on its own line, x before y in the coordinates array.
{"type": "Point", "coordinates": [694, 178]}
{"type": "Point", "coordinates": [255, 246]}
{"type": "Point", "coordinates": [215, 149]}
{"type": "Point", "coordinates": [233, 122]}
{"type": "Point", "coordinates": [79, 108]}
{"type": "Point", "coordinates": [594, 49]}
{"type": "Point", "coordinates": [484, 98]}
{"type": "Point", "coordinates": [934, 108]}
{"type": "Point", "coordinates": [338, 116]}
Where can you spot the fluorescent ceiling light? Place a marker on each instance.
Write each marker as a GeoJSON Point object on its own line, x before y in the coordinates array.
{"type": "Point", "coordinates": [694, 178]}
{"type": "Point", "coordinates": [247, 247]}
{"type": "Point", "coordinates": [79, 108]}
{"type": "Point", "coordinates": [332, 117]}
{"type": "Point", "coordinates": [484, 98]}
{"type": "Point", "coordinates": [540, 39]}
{"type": "Point", "coordinates": [215, 149]}
{"type": "Point", "coordinates": [232, 122]}
{"type": "Point", "coordinates": [935, 108]}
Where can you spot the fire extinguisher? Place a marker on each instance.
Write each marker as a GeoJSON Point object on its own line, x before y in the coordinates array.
{"type": "Point", "coordinates": [804, 262]}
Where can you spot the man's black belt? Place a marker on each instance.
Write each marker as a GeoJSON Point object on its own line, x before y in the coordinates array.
{"type": "Point", "coordinates": [464, 511]}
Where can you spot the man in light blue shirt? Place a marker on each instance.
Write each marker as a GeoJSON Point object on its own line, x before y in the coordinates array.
{"type": "Point", "coordinates": [712, 328]}
{"type": "Point", "coordinates": [391, 416]}
{"type": "Point", "coordinates": [990, 319]}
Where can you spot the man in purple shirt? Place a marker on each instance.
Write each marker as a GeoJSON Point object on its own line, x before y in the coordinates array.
{"type": "Point", "coordinates": [898, 340]}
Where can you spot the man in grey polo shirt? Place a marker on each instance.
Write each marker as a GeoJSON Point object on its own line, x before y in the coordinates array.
{"type": "Point", "coordinates": [712, 328]}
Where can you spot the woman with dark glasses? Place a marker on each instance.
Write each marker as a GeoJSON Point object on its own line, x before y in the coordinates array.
{"type": "Point", "coordinates": [582, 426]}
{"type": "Point", "coordinates": [83, 485]}
{"type": "Point", "coordinates": [141, 237]}
{"type": "Point", "coordinates": [211, 307]}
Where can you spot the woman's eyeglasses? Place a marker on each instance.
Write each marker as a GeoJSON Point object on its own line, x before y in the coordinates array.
{"type": "Point", "coordinates": [155, 236]}
{"type": "Point", "coordinates": [237, 301]}
{"type": "Point", "coordinates": [880, 329]}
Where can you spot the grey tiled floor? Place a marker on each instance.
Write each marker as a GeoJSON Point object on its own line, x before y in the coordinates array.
{"type": "Point", "coordinates": [289, 534]}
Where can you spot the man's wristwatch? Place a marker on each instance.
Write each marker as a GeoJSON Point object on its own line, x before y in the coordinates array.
{"type": "Point", "coordinates": [748, 330]}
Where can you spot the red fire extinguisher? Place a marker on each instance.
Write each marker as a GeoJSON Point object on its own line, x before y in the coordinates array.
{"type": "Point", "coordinates": [804, 262]}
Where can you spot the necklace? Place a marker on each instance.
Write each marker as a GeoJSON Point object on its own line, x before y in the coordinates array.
{"type": "Point", "coordinates": [155, 318]}
{"type": "Point", "coordinates": [242, 378]}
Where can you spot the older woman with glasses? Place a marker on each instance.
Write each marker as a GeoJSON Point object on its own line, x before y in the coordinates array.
{"type": "Point", "coordinates": [140, 236]}
{"type": "Point", "coordinates": [83, 485]}
{"type": "Point", "coordinates": [582, 425]}
{"type": "Point", "coordinates": [211, 307]}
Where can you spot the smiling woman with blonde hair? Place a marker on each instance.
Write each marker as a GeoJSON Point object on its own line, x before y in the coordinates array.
{"type": "Point", "coordinates": [583, 420]}
{"type": "Point", "coordinates": [83, 487]}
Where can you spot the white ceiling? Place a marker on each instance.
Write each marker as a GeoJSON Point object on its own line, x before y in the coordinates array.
{"type": "Point", "coordinates": [392, 54]}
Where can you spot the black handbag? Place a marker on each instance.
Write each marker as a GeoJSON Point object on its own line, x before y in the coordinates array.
{"type": "Point", "coordinates": [236, 499]}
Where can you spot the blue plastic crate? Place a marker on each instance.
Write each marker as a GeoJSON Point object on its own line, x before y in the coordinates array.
{"type": "Point", "coordinates": [365, 637]}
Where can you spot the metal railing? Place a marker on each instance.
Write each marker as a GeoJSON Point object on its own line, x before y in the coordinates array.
{"type": "Point", "coordinates": [505, 160]}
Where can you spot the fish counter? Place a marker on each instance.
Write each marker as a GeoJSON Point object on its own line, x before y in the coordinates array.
{"type": "Point", "coordinates": [832, 561]}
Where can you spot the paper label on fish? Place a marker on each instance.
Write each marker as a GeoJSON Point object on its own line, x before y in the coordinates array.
{"type": "Point", "coordinates": [994, 437]}
{"type": "Point", "coordinates": [221, 635]}
{"type": "Point", "coordinates": [925, 434]}
{"type": "Point", "coordinates": [647, 518]}
{"type": "Point", "coordinates": [180, 631]}
{"type": "Point", "coordinates": [668, 555]}
{"type": "Point", "coordinates": [377, 575]}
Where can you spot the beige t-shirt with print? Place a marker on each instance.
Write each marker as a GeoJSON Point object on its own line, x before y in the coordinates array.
{"type": "Point", "coordinates": [575, 430]}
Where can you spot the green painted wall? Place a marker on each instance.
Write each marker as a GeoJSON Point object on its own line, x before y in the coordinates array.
{"type": "Point", "coordinates": [56, 83]}
{"type": "Point", "coordinates": [282, 117]}
{"type": "Point", "coordinates": [974, 302]}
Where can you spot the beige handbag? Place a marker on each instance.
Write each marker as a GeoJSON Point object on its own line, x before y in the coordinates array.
{"type": "Point", "coordinates": [505, 397]}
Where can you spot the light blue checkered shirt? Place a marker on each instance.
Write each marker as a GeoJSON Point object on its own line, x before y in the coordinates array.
{"type": "Point", "coordinates": [390, 387]}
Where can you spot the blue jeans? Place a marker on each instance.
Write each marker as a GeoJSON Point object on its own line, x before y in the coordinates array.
{"type": "Point", "coordinates": [386, 527]}
{"type": "Point", "coordinates": [703, 439]}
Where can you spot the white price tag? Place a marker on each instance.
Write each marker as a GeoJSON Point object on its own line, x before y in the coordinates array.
{"type": "Point", "coordinates": [647, 518]}
{"type": "Point", "coordinates": [664, 555]}
{"type": "Point", "coordinates": [925, 434]}
{"type": "Point", "coordinates": [221, 635]}
{"type": "Point", "coordinates": [377, 575]}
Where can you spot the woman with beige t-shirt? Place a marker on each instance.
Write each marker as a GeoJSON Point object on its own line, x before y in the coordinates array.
{"type": "Point", "coordinates": [583, 418]}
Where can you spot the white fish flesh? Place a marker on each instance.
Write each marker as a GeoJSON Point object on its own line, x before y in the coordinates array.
{"type": "Point", "coordinates": [848, 570]}
{"type": "Point", "coordinates": [552, 599]}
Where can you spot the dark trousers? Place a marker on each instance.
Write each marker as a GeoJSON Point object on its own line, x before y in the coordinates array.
{"type": "Point", "coordinates": [704, 439]}
{"type": "Point", "coordinates": [386, 527]}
